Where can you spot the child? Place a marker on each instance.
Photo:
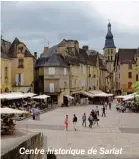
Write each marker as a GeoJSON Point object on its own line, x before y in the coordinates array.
{"type": "Point", "coordinates": [66, 122]}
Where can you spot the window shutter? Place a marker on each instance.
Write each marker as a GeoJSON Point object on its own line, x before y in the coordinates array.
{"type": "Point", "coordinates": [17, 79]}
{"type": "Point", "coordinates": [51, 87]}
{"type": "Point", "coordinates": [72, 83]}
{"type": "Point", "coordinates": [53, 70]}
{"type": "Point", "coordinates": [65, 71]}
{"type": "Point", "coordinates": [49, 70]}
{"type": "Point", "coordinates": [22, 79]}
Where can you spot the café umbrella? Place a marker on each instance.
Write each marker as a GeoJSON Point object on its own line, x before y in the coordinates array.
{"type": "Point", "coordinates": [7, 110]}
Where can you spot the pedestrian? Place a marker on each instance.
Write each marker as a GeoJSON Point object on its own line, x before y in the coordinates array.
{"type": "Point", "coordinates": [110, 105]}
{"type": "Point", "coordinates": [92, 113]}
{"type": "Point", "coordinates": [95, 118]}
{"type": "Point", "coordinates": [103, 111]}
{"type": "Point", "coordinates": [33, 112]}
{"type": "Point", "coordinates": [90, 119]}
{"type": "Point", "coordinates": [74, 121]}
{"type": "Point", "coordinates": [84, 120]}
{"type": "Point", "coordinates": [105, 104]}
{"type": "Point", "coordinates": [36, 113]}
{"type": "Point", "coordinates": [97, 111]}
{"type": "Point", "coordinates": [66, 122]}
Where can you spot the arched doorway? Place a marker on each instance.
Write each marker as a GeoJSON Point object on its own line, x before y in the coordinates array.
{"type": "Point", "coordinates": [6, 90]}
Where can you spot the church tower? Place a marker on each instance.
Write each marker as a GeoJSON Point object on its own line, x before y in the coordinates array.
{"type": "Point", "coordinates": [109, 50]}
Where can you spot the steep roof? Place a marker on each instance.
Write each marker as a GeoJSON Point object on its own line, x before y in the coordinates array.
{"type": "Point", "coordinates": [5, 45]}
{"type": "Point", "coordinates": [126, 56]}
{"type": "Point", "coordinates": [53, 50]}
{"type": "Point", "coordinates": [12, 52]}
{"type": "Point", "coordinates": [53, 60]}
{"type": "Point", "coordinates": [137, 53]}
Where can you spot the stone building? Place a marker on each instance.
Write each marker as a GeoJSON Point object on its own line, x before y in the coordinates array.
{"type": "Point", "coordinates": [83, 70]}
{"type": "Point", "coordinates": [19, 63]}
{"type": "Point", "coordinates": [5, 63]}
{"type": "Point", "coordinates": [126, 74]}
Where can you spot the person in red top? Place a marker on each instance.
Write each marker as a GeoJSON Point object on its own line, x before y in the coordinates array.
{"type": "Point", "coordinates": [66, 122]}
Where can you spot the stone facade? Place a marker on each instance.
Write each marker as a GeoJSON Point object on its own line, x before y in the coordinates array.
{"type": "Point", "coordinates": [30, 142]}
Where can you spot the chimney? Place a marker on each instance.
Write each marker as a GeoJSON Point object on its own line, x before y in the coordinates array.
{"type": "Point", "coordinates": [45, 49]}
{"type": "Point", "coordinates": [35, 55]}
{"type": "Point", "coordinates": [85, 47]}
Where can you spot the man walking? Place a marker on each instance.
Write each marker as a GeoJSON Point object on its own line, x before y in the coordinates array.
{"type": "Point", "coordinates": [84, 120]}
{"type": "Point", "coordinates": [90, 119]}
{"type": "Point", "coordinates": [74, 121]}
{"type": "Point", "coordinates": [110, 105]}
{"type": "Point", "coordinates": [103, 111]}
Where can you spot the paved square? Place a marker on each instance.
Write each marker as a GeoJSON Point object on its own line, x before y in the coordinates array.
{"type": "Point", "coordinates": [119, 130]}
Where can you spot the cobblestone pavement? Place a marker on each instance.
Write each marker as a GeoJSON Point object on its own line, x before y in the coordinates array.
{"type": "Point", "coordinates": [119, 130]}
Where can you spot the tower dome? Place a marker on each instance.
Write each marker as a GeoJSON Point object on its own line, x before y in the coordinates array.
{"type": "Point", "coordinates": [109, 42]}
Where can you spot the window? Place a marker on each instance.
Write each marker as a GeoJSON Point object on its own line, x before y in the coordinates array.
{"type": "Point", "coordinates": [83, 69]}
{"type": "Point", "coordinates": [111, 57]}
{"type": "Point", "coordinates": [129, 66]}
{"type": "Point", "coordinates": [119, 76]}
{"type": "Point", "coordinates": [129, 85]}
{"type": "Point", "coordinates": [20, 49]}
{"type": "Point", "coordinates": [51, 70]}
{"type": "Point", "coordinates": [51, 87]}
{"type": "Point", "coordinates": [111, 51]}
{"type": "Point", "coordinates": [108, 58]}
{"type": "Point", "coordinates": [108, 51]}
{"type": "Point", "coordinates": [129, 74]}
{"type": "Point", "coordinates": [20, 63]}
{"type": "Point", "coordinates": [6, 73]}
{"type": "Point", "coordinates": [65, 71]}
{"type": "Point", "coordinates": [137, 78]}
{"type": "Point", "coordinates": [72, 83]}
{"type": "Point", "coordinates": [65, 84]}
{"type": "Point", "coordinates": [19, 79]}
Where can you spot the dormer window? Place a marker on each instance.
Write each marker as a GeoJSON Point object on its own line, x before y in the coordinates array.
{"type": "Point", "coordinates": [20, 49]}
{"type": "Point", "coordinates": [21, 63]}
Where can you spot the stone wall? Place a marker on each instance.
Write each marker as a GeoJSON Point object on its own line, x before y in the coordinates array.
{"type": "Point", "coordinates": [31, 142]}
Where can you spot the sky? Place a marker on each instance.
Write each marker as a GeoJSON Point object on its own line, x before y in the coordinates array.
{"type": "Point", "coordinates": [36, 23]}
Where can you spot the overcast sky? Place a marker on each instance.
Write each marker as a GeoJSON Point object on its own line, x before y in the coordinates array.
{"type": "Point", "coordinates": [37, 22]}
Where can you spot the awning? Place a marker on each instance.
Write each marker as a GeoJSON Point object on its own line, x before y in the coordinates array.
{"type": "Point", "coordinates": [12, 95]}
{"type": "Point", "coordinates": [87, 94]}
{"type": "Point", "coordinates": [68, 96]}
{"type": "Point", "coordinates": [7, 110]}
{"type": "Point", "coordinates": [29, 94]}
{"type": "Point", "coordinates": [120, 97]}
{"type": "Point", "coordinates": [41, 97]}
{"type": "Point", "coordinates": [21, 89]}
{"type": "Point", "coordinates": [95, 92]}
{"type": "Point", "coordinates": [129, 96]}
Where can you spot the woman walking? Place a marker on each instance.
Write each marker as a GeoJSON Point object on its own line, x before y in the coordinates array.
{"type": "Point", "coordinates": [66, 122]}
